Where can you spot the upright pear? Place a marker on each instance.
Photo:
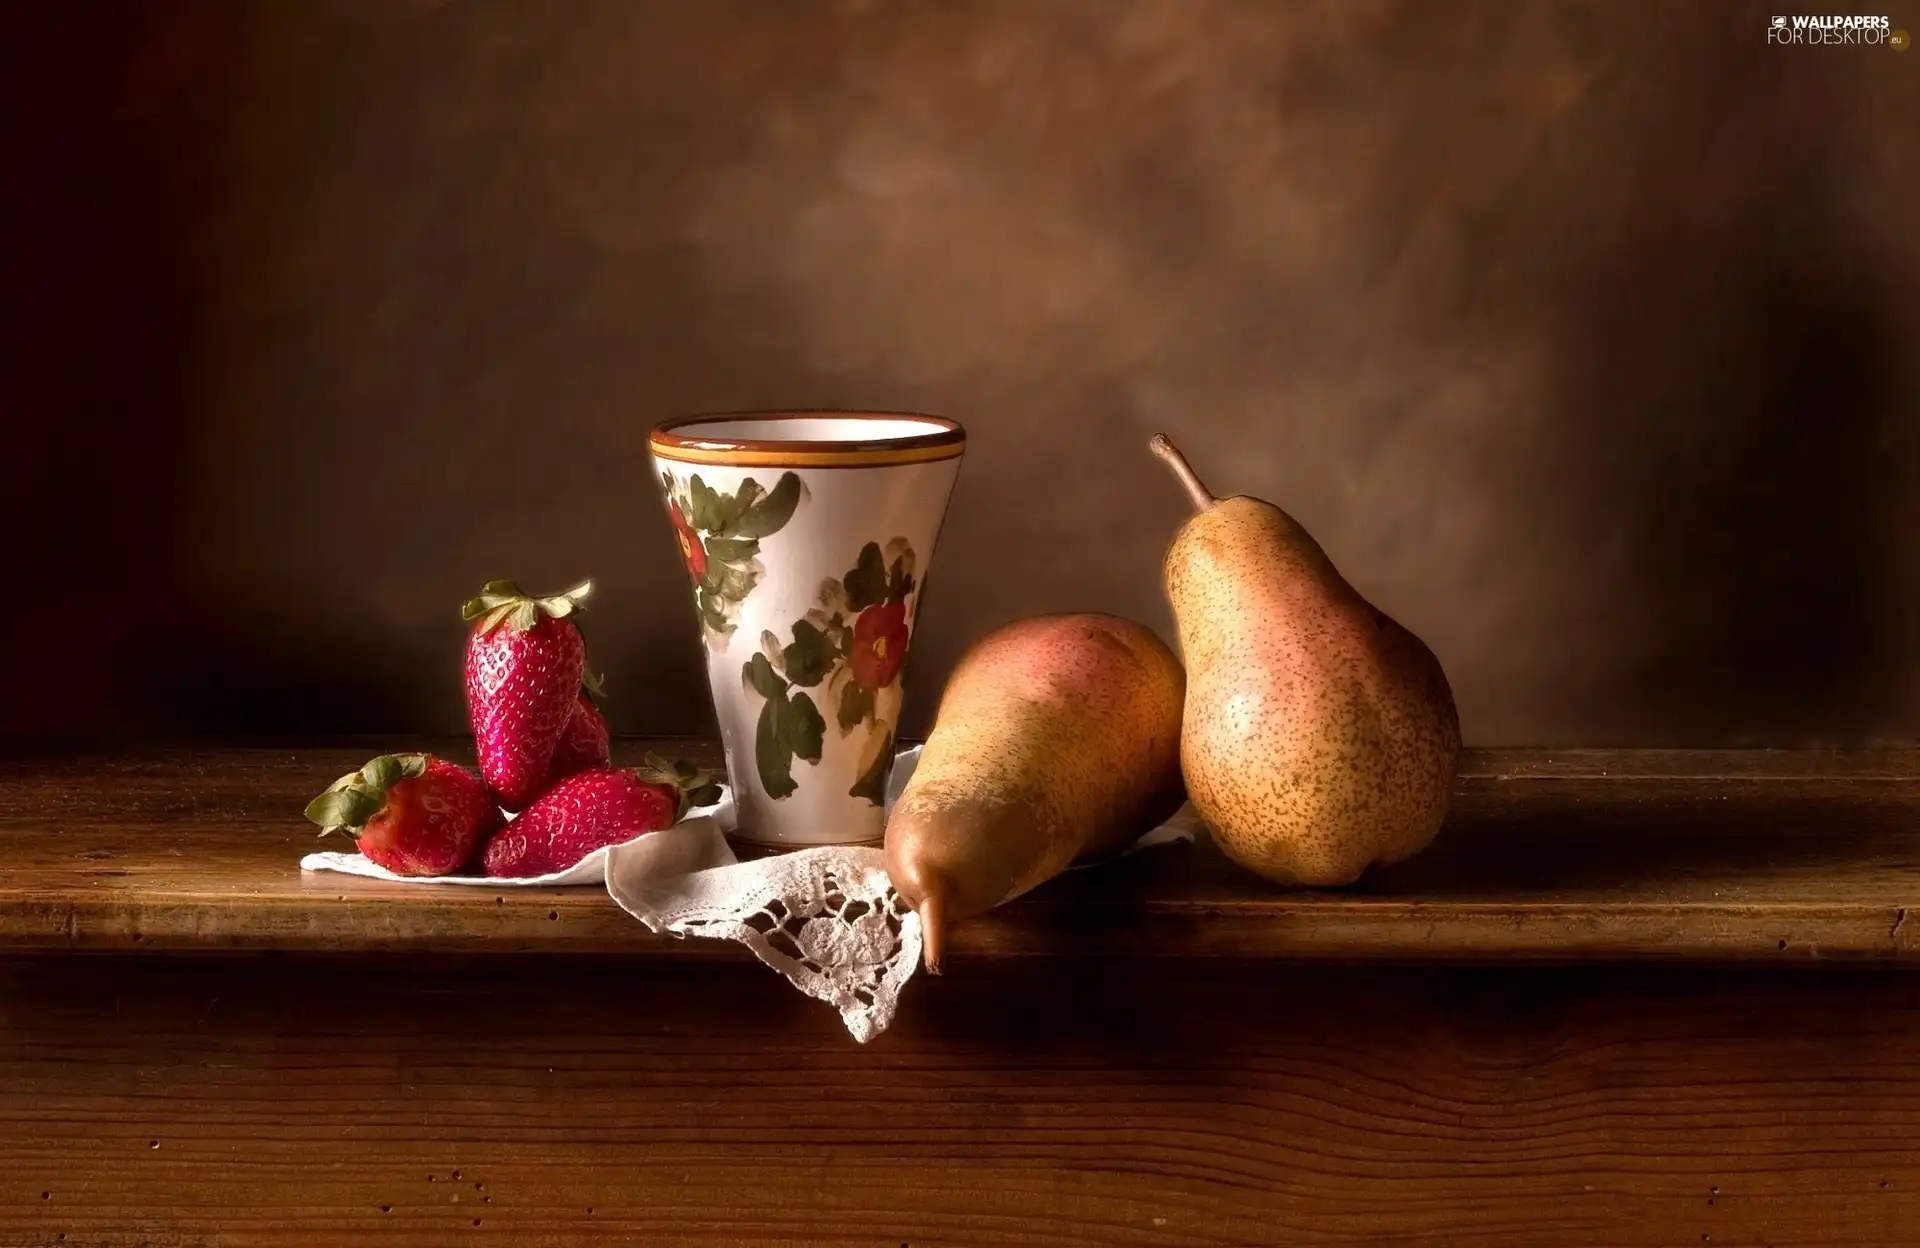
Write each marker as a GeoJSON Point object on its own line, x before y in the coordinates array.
{"type": "Point", "coordinates": [1319, 737]}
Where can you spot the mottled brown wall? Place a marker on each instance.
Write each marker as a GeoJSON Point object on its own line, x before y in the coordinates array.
{"type": "Point", "coordinates": [1584, 335]}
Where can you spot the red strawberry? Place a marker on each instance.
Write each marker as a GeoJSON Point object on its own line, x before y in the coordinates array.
{"type": "Point", "coordinates": [413, 814]}
{"type": "Point", "coordinates": [584, 743]}
{"type": "Point", "coordinates": [525, 662]}
{"type": "Point", "coordinates": [593, 809]}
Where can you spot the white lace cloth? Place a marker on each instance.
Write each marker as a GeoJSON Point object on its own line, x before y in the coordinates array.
{"type": "Point", "coordinates": [826, 918]}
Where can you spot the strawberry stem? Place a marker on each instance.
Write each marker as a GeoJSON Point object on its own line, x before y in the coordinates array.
{"type": "Point", "coordinates": [355, 798]}
{"type": "Point", "coordinates": [691, 785]}
{"type": "Point", "coordinates": [503, 602]}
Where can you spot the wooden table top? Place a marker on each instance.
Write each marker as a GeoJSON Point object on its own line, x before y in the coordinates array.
{"type": "Point", "coordinates": [1547, 855]}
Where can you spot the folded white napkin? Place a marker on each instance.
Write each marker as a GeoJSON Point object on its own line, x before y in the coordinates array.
{"type": "Point", "coordinates": [826, 918]}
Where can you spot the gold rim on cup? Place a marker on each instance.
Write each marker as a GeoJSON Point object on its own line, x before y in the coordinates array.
{"type": "Point", "coordinates": [682, 440]}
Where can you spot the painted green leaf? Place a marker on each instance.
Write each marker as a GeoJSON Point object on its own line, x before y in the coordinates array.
{"type": "Point", "coordinates": [830, 626]}
{"type": "Point", "coordinates": [703, 506]}
{"type": "Point", "coordinates": [810, 657]}
{"type": "Point", "coordinates": [832, 596]}
{"type": "Point", "coordinates": [771, 757]}
{"type": "Point", "coordinates": [732, 549]}
{"type": "Point", "coordinates": [749, 493]}
{"type": "Point", "coordinates": [899, 581]}
{"type": "Point", "coordinates": [762, 679]}
{"type": "Point", "coordinates": [731, 582]}
{"type": "Point", "coordinates": [769, 514]}
{"type": "Point", "coordinates": [726, 511]}
{"type": "Point", "coordinates": [867, 582]}
{"type": "Point", "coordinates": [805, 731]}
{"type": "Point", "coordinates": [872, 784]}
{"type": "Point", "coordinates": [856, 703]}
{"type": "Point", "coordinates": [710, 612]}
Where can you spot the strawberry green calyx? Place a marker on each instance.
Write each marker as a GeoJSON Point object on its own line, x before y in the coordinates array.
{"type": "Point", "coordinates": [690, 785]}
{"type": "Point", "coordinates": [503, 602]}
{"type": "Point", "coordinates": [358, 796]}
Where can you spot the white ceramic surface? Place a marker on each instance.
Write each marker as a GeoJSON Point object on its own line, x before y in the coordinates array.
{"type": "Point", "coordinates": [806, 582]}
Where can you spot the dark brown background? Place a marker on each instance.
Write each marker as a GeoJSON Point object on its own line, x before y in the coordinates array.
{"type": "Point", "coordinates": [1582, 334]}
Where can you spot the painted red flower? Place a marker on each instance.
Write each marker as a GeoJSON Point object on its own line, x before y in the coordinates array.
{"type": "Point", "coordinates": [879, 644]}
{"type": "Point", "coordinates": [690, 547]}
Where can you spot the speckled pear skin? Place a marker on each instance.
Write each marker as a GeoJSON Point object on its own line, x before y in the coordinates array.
{"type": "Point", "coordinates": [1057, 739]}
{"type": "Point", "coordinates": [1320, 737]}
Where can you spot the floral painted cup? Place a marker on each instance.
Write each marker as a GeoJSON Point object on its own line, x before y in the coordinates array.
{"type": "Point", "coordinates": [807, 536]}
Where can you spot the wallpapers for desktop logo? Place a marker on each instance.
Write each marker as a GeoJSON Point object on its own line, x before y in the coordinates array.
{"type": "Point", "coordinates": [1834, 31]}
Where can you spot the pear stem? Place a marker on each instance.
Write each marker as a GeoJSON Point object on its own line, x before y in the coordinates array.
{"type": "Point", "coordinates": [932, 935]}
{"type": "Point", "coordinates": [1169, 454]}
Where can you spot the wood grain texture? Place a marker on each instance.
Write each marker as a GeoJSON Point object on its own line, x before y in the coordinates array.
{"type": "Point", "coordinates": [1712, 855]}
{"type": "Point", "coordinates": [305, 1103]}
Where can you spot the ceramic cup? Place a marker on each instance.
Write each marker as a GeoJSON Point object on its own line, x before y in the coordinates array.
{"type": "Point", "coordinates": [807, 536]}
